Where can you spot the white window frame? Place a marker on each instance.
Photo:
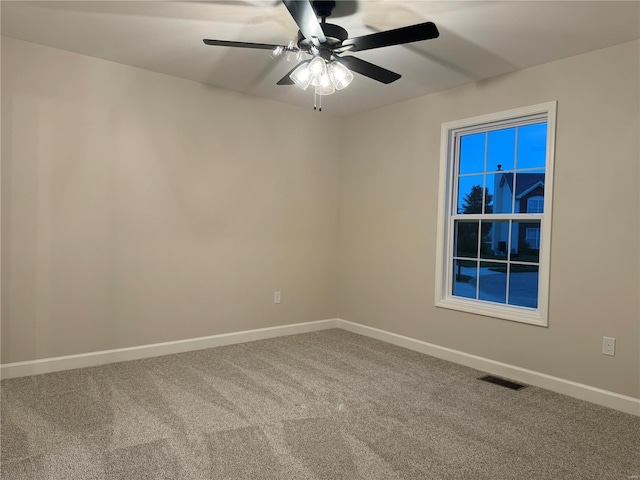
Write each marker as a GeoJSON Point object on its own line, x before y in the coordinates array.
{"type": "Point", "coordinates": [447, 204]}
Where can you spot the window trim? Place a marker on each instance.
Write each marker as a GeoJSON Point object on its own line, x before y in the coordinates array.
{"type": "Point", "coordinates": [443, 296]}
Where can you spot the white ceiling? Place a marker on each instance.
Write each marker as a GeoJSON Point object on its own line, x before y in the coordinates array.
{"type": "Point", "coordinates": [478, 40]}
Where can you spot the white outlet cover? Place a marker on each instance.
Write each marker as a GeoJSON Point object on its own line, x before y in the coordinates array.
{"type": "Point", "coordinates": [609, 346]}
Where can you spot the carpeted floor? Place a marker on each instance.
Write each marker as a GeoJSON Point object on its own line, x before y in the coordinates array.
{"type": "Point", "coordinates": [326, 405]}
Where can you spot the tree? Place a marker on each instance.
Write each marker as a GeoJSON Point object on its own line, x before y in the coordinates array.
{"type": "Point", "coordinates": [473, 201]}
{"type": "Point", "coordinates": [467, 234]}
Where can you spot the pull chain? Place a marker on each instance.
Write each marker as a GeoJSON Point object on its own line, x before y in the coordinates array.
{"type": "Point", "coordinates": [317, 102]}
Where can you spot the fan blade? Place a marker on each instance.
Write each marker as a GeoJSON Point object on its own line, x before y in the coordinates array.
{"type": "Point", "coordinates": [286, 80]}
{"type": "Point", "coordinates": [413, 33]}
{"type": "Point", "coordinates": [305, 17]}
{"type": "Point", "coordinates": [369, 69]}
{"type": "Point", "coordinates": [226, 43]}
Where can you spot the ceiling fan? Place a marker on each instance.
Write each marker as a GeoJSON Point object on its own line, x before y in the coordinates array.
{"type": "Point", "coordinates": [329, 69]}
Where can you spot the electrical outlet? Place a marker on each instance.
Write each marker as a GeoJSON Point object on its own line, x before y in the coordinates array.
{"type": "Point", "coordinates": [608, 346]}
{"type": "Point", "coordinates": [276, 297]}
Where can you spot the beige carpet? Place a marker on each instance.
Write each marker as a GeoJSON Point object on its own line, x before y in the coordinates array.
{"type": "Point", "coordinates": [326, 405]}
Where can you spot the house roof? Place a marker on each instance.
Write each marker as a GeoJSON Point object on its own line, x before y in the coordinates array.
{"type": "Point", "coordinates": [525, 182]}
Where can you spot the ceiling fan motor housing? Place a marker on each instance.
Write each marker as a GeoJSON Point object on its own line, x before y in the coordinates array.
{"type": "Point", "coordinates": [334, 34]}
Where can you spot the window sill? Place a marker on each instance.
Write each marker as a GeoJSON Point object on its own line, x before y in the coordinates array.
{"type": "Point", "coordinates": [488, 309]}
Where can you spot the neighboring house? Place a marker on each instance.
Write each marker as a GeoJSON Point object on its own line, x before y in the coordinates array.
{"type": "Point", "coordinates": [529, 198]}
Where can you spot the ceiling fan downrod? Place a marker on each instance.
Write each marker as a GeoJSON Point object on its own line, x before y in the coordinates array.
{"type": "Point", "coordinates": [323, 8]}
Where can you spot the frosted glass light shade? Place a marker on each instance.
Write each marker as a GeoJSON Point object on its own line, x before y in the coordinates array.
{"type": "Point", "coordinates": [317, 70]}
{"type": "Point", "coordinates": [325, 89]}
{"type": "Point", "coordinates": [340, 75]}
{"type": "Point", "coordinates": [301, 76]}
{"type": "Point", "coordinates": [325, 85]}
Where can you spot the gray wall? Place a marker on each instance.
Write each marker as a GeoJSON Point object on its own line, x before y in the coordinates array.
{"type": "Point", "coordinates": [389, 210]}
{"type": "Point", "coordinates": [140, 208]}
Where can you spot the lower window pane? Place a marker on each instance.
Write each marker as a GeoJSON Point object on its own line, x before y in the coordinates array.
{"type": "Point", "coordinates": [464, 278]}
{"type": "Point", "coordinates": [523, 286]}
{"type": "Point", "coordinates": [466, 239]}
{"type": "Point", "coordinates": [493, 282]}
{"type": "Point", "coordinates": [495, 240]}
{"type": "Point", "coordinates": [525, 241]}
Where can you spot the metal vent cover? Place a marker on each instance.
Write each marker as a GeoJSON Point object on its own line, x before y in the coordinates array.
{"type": "Point", "coordinates": [502, 382]}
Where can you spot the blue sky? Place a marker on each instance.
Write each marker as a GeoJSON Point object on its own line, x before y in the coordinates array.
{"type": "Point", "coordinates": [500, 145]}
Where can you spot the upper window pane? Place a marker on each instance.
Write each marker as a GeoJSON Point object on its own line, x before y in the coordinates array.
{"type": "Point", "coordinates": [501, 149]}
{"type": "Point", "coordinates": [500, 193]}
{"type": "Point", "coordinates": [532, 146]}
{"type": "Point", "coordinates": [535, 204]}
{"type": "Point", "coordinates": [472, 149]}
{"type": "Point", "coordinates": [470, 194]}
{"type": "Point", "coordinates": [529, 185]}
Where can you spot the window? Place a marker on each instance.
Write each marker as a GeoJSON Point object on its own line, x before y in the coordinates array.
{"type": "Point", "coordinates": [533, 238]}
{"type": "Point", "coordinates": [535, 204]}
{"type": "Point", "coordinates": [494, 234]}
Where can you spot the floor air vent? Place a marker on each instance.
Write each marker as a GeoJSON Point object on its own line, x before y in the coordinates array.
{"type": "Point", "coordinates": [502, 382]}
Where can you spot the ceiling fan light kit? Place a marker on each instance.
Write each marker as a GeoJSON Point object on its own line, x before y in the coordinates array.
{"type": "Point", "coordinates": [321, 74]}
{"type": "Point", "coordinates": [329, 70]}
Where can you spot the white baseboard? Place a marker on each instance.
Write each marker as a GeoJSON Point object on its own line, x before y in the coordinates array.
{"type": "Point", "coordinates": [92, 359]}
{"type": "Point", "coordinates": [581, 391]}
